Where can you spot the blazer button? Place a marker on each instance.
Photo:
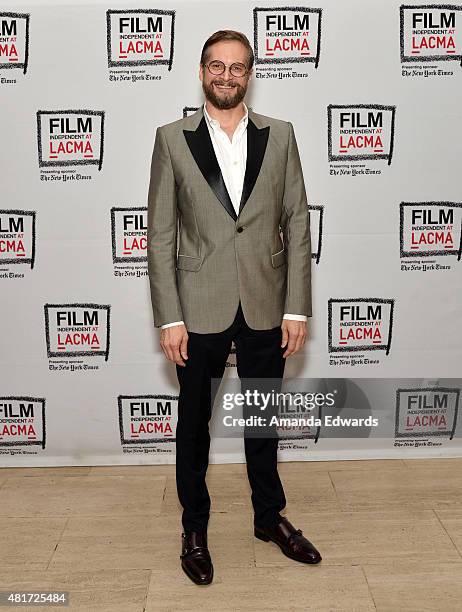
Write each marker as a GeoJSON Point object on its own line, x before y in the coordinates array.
{"type": "Point", "coordinates": [240, 229]}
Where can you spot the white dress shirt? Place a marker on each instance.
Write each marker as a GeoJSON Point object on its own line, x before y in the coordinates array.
{"type": "Point", "coordinates": [232, 159]}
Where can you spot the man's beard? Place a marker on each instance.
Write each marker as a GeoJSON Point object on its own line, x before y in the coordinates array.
{"type": "Point", "coordinates": [226, 101]}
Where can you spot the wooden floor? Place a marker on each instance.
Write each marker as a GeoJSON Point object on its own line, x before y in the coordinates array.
{"type": "Point", "coordinates": [390, 533]}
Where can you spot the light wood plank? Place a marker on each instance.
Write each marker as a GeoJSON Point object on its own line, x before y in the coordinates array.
{"type": "Point", "coordinates": [412, 488]}
{"type": "Point", "coordinates": [418, 586]}
{"type": "Point", "coordinates": [81, 495]}
{"type": "Point", "coordinates": [300, 587]}
{"type": "Point", "coordinates": [96, 591]}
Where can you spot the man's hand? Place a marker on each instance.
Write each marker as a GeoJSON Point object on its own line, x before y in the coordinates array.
{"type": "Point", "coordinates": [294, 334]}
{"type": "Point", "coordinates": [174, 342]}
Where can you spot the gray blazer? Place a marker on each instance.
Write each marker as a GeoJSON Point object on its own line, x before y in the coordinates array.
{"type": "Point", "coordinates": [202, 257]}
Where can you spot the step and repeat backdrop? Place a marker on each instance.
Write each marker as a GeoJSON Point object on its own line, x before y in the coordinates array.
{"type": "Point", "coordinates": [373, 92]}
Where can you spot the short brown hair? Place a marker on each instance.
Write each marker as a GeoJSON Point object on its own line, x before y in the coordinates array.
{"type": "Point", "coordinates": [228, 35]}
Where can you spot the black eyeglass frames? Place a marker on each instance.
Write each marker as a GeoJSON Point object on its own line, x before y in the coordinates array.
{"type": "Point", "coordinates": [217, 67]}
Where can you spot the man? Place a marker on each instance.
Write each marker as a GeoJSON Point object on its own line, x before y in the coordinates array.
{"type": "Point", "coordinates": [227, 181]}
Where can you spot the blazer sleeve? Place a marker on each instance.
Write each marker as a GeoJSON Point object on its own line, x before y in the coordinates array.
{"type": "Point", "coordinates": [295, 225]}
{"type": "Point", "coordinates": [162, 235]}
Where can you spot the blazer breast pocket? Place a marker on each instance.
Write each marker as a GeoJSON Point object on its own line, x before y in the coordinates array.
{"type": "Point", "coordinates": [188, 262]}
{"type": "Point", "coordinates": [279, 258]}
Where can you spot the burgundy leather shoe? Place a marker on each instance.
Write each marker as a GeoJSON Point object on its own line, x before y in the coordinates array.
{"type": "Point", "coordinates": [290, 540]}
{"type": "Point", "coordinates": [195, 557]}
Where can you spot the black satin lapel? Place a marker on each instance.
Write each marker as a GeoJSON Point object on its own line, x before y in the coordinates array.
{"type": "Point", "coordinates": [257, 139]}
{"type": "Point", "coordinates": [201, 147]}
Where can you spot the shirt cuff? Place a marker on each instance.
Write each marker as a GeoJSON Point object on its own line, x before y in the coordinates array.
{"type": "Point", "coordinates": [171, 324]}
{"type": "Point", "coordinates": [295, 317]}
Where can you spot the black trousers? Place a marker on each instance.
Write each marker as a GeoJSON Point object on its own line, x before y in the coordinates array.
{"type": "Point", "coordinates": [258, 355]}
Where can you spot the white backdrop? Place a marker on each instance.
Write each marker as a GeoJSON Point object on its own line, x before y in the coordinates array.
{"type": "Point", "coordinates": [83, 88]}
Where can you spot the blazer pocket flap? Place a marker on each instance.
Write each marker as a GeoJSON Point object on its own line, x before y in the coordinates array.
{"type": "Point", "coordinates": [188, 262]}
{"type": "Point", "coordinates": [277, 259]}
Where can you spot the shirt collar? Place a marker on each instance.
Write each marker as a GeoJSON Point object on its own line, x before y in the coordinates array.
{"type": "Point", "coordinates": [216, 124]}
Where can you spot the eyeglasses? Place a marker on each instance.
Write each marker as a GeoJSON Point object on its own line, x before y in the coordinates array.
{"type": "Point", "coordinates": [217, 67]}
